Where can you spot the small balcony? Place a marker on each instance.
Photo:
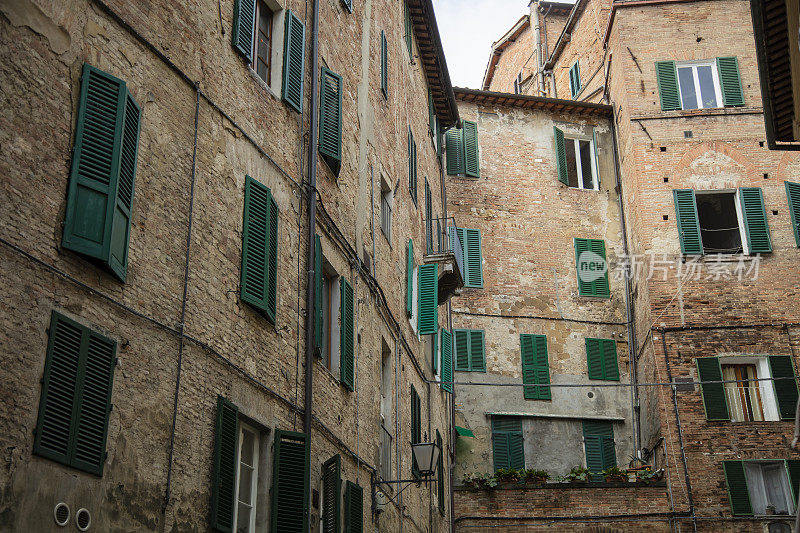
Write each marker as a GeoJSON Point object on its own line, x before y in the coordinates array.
{"type": "Point", "coordinates": [444, 248]}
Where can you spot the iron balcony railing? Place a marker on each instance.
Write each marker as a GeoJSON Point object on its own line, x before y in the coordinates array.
{"type": "Point", "coordinates": [441, 237]}
{"type": "Point", "coordinates": [386, 454]}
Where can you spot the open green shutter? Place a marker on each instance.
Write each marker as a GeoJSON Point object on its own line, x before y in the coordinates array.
{"type": "Point", "coordinates": [103, 172]}
{"type": "Point", "coordinates": [477, 351]}
{"type": "Point", "coordinates": [416, 427]}
{"type": "Point", "coordinates": [793, 197]}
{"type": "Point", "coordinates": [575, 80]}
{"type": "Point", "coordinates": [440, 474]}
{"type": "Point", "coordinates": [384, 65]}
{"type": "Point", "coordinates": [428, 279]}
{"type": "Point", "coordinates": [226, 448]}
{"type": "Point", "coordinates": [354, 508]}
{"type": "Point", "coordinates": [331, 494]}
{"type": "Point", "coordinates": [318, 288]}
{"type": "Point", "coordinates": [294, 45]}
{"type": "Point", "coordinates": [785, 385]}
{"type": "Point", "coordinates": [755, 220]}
{"type": "Point", "coordinates": [290, 482]}
{"type": "Point", "coordinates": [454, 147]}
{"type": "Point", "coordinates": [535, 366]}
{"type": "Point", "coordinates": [793, 469]}
{"type": "Point", "coordinates": [728, 68]}
{"type": "Point", "coordinates": [410, 278]}
{"type": "Point", "coordinates": [688, 221]}
{"type": "Point", "coordinates": [737, 488]}
{"type": "Point", "coordinates": [259, 248]}
{"type": "Point", "coordinates": [471, 155]}
{"type": "Point", "coordinates": [330, 119]}
{"type": "Point", "coordinates": [596, 156]}
{"type": "Point", "coordinates": [408, 29]}
{"type": "Point", "coordinates": [244, 19]}
{"type": "Point", "coordinates": [473, 259]}
{"type": "Point", "coordinates": [412, 165]}
{"type": "Point", "coordinates": [462, 349]}
{"type": "Point", "coordinates": [347, 344]}
{"type": "Point", "coordinates": [561, 155]}
{"type": "Point", "coordinates": [435, 352]}
{"type": "Point", "coordinates": [447, 360]}
{"type": "Point", "coordinates": [708, 369]}
{"type": "Point", "coordinates": [272, 262]}
{"type": "Point", "coordinates": [431, 112]}
{"type": "Point", "coordinates": [667, 78]}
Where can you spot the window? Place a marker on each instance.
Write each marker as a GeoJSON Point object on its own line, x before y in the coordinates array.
{"type": "Point", "coordinates": [699, 84]}
{"type": "Point", "coordinates": [535, 366]}
{"type": "Point", "coordinates": [247, 474]}
{"type": "Point", "coordinates": [386, 411]}
{"type": "Point", "coordinates": [601, 359]}
{"type": "Point", "coordinates": [762, 487]}
{"type": "Point", "coordinates": [725, 222]}
{"type": "Point", "coordinates": [575, 80]}
{"type": "Point", "coordinates": [470, 352]}
{"type": "Point", "coordinates": [518, 83]}
{"type": "Point", "coordinates": [508, 446]}
{"type": "Point", "coordinates": [598, 443]}
{"type": "Point", "coordinates": [793, 197]}
{"type": "Point", "coordinates": [387, 199]}
{"type": "Point", "coordinates": [101, 180]}
{"type": "Point", "coordinates": [576, 160]}
{"type": "Point", "coordinates": [262, 44]}
{"type": "Point", "coordinates": [259, 277]}
{"type": "Point", "coordinates": [412, 166]}
{"type": "Point", "coordinates": [748, 400]}
{"type": "Point", "coordinates": [590, 258]}
{"type": "Point", "coordinates": [461, 145]}
{"type": "Point", "coordinates": [384, 66]}
{"type": "Point", "coordinates": [330, 120]}
{"type": "Point", "coordinates": [471, 244]}
{"type": "Point", "coordinates": [416, 427]}
{"type": "Point", "coordinates": [76, 396]}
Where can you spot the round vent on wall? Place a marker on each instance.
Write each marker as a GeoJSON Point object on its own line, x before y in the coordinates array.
{"type": "Point", "coordinates": [83, 519]}
{"type": "Point", "coordinates": [61, 514]}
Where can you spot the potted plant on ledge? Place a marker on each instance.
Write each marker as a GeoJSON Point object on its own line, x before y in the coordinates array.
{"type": "Point", "coordinates": [507, 475]}
{"type": "Point", "coordinates": [536, 477]}
{"type": "Point", "coordinates": [480, 481]}
{"type": "Point", "coordinates": [615, 474]}
{"type": "Point", "coordinates": [577, 474]}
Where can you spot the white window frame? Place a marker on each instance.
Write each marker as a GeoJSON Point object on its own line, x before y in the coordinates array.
{"type": "Point", "coordinates": [714, 75]}
{"type": "Point", "coordinates": [769, 401]}
{"type": "Point", "coordinates": [737, 202]}
{"type": "Point", "coordinates": [254, 479]}
{"type": "Point", "coordinates": [572, 139]}
{"type": "Point", "coordinates": [754, 474]}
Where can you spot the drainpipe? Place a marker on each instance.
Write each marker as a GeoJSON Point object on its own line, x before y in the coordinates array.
{"type": "Point", "coordinates": [312, 228]}
{"type": "Point", "coordinates": [537, 31]}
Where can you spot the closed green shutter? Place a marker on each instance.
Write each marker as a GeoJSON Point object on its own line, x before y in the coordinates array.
{"type": "Point", "coordinates": [785, 389]}
{"type": "Point", "coordinates": [348, 5]}
{"type": "Point", "coordinates": [447, 361]}
{"type": "Point", "coordinates": [508, 446]}
{"type": "Point", "coordinates": [244, 17]}
{"type": "Point", "coordinates": [330, 119]}
{"type": "Point", "coordinates": [384, 65]}
{"type": "Point", "coordinates": [471, 155]}
{"type": "Point", "coordinates": [408, 28]}
{"type": "Point", "coordinates": [588, 284]}
{"type": "Point", "coordinates": [318, 288]}
{"type": "Point", "coordinates": [728, 68]}
{"type": "Point", "coordinates": [416, 428]}
{"type": "Point", "coordinates": [75, 401]}
{"type": "Point", "coordinates": [226, 449]}
{"type": "Point", "coordinates": [331, 494]}
{"type": "Point", "coordinates": [462, 349]}
{"type": "Point", "coordinates": [454, 146]}
{"type": "Point", "coordinates": [667, 78]}
{"type": "Point", "coordinates": [103, 172]}
{"type": "Point", "coordinates": [294, 45]}
{"type": "Point", "coordinates": [354, 508]}
{"type": "Point", "coordinates": [793, 197]}
{"type": "Point", "coordinates": [412, 165]}
{"type": "Point", "coordinates": [688, 221]}
{"type": "Point", "coordinates": [793, 469]}
{"type": "Point", "coordinates": [440, 474]}
{"type": "Point", "coordinates": [601, 357]}
{"type": "Point", "coordinates": [347, 344]}
{"type": "Point", "coordinates": [289, 513]}
{"type": "Point", "coordinates": [561, 155]}
{"type": "Point", "coordinates": [755, 220]}
{"type": "Point", "coordinates": [260, 249]}
{"type": "Point", "coordinates": [737, 488]}
{"type": "Point", "coordinates": [410, 278]}
{"type": "Point", "coordinates": [598, 441]}
{"type": "Point", "coordinates": [428, 278]}
{"type": "Point", "coordinates": [535, 366]}
{"type": "Point", "coordinates": [470, 350]}
{"type": "Point", "coordinates": [708, 369]}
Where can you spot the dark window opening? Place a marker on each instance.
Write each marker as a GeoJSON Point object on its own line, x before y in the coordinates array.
{"type": "Point", "coordinates": [719, 223]}
{"type": "Point", "coordinates": [580, 164]}
{"type": "Point", "coordinates": [263, 42]}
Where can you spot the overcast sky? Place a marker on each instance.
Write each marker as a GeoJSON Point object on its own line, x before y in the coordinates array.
{"type": "Point", "coordinates": [468, 28]}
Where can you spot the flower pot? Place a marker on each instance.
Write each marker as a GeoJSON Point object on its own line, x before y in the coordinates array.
{"type": "Point", "coordinates": [616, 479]}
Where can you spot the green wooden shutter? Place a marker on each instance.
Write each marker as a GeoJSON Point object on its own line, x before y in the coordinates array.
{"type": "Point", "coordinates": [244, 17]}
{"type": "Point", "coordinates": [75, 401]}
{"type": "Point", "coordinates": [755, 220]}
{"type": "Point", "coordinates": [347, 344]}
{"type": "Point", "coordinates": [294, 45]}
{"type": "Point", "coordinates": [601, 357]}
{"type": "Point", "coordinates": [737, 488]}
{"type": "Point", "coordinates": [574, 80]}
{"type": "Point", "coordinates": [103, 172]}
{"type": "Point", "coordinates": [793, 197]}
{"type": "Point", "coordinates": [354, 508]}
{"type": "Point", "coordinates": [259, 249]}
{"type": "Point", "coordinates": [596, 156]}
{"type": "Point", "coordinates": [793, 469]}
{"type": "Point", "coordinates": [708, 369]}
{"type": "Point", "coordinates": [330, 120]}
{"type": "Point", "coordinates": [440, 474]}
{"type": "Point", "coordinates": [428, 218]}
{"type": "Point", "coordinates": [599, 286]}
{"type": "Point", "coordinates": [447, 360]}
{"type": "Point", "coordinates": [477, 351]}
{"type": "Point", "coordinates": [594, 358]}
{"type": "Point", "coordinates": [471, 155]}
{"type": "Point", "coordinates": [473, 260]}
{"type": "Point", "coordinates": [412, 165]}
{"type": "Point", "coordinates": [416, 428]}
{"type": "Point", "coordinates": [508, 445]}
{"type": "Point", "coordinates": [384, 66]}
{"type": "Point", "coordinates": [585, 288]}
{"type": "Point", "coordinates": [410, 278]}
{"type": "Point", "coordinates": [428, 279]}
{"type": "Point", "coordinates": [728, 68]}
{"type": "Point", "coordinates": [598, 440]}
{"type": "Point", "coordinates": [318, 288]}
{"type": "Point", "coordinates": [290, 482]}
{"type": "Point", "coordinates": [431, 113]}
{"type": "Point", "coordinates": [348, 5]}
{"type": "Point", "coordinates": [667, 78]}
{"type": "Point", "coordinates": [610, 363]}
{"type": "Point", "coordinates": [561, 155]}
{"type": "Point", "coordinates": [785, 389]}
{"type": "Point", "coordinates": [408, 28]}
{"type": "Point", "coordinates": [535, 366]}
{"type": "Point", "coordinates": [331, 494]}
{"type": "Point", "coordinates": [226, 450]}
{"type": "Point", "coordinates": [462, 349]}
{"type": "Point", "coordinates": [454, 146]}
{"type": "Point", "coordinates": [688, 221]}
